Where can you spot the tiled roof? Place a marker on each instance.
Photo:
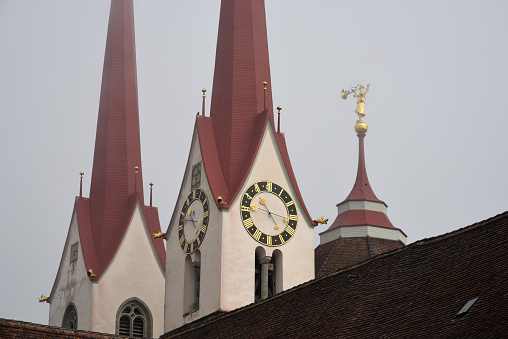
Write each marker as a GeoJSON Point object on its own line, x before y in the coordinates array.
{"type": "Point", "coordinates": [346, 252]}
{"type": "Point", "coordinates": [240, 107]}
{"type": "Point", "coordinates": [13, 329]}
{"type": "Point", "coordinates": [413, 292]}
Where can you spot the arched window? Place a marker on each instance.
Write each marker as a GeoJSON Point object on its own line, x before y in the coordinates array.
{"type": "Point", "coordinates": [192, 283]}
{"type": "Point", "coordinates": [70, 318]}
{"type": "Point", "coordinates": [134, 319]}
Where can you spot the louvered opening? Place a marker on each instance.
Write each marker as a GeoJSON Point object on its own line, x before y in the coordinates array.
{"type": "Point", "coordinates": [138, 327]}
{"type": "Point", "coordinates": [125, 326]}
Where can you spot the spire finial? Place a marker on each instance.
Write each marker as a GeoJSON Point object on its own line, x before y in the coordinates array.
{"type": "Point", "coordinates": [81, 183]}
{"type": "Point", "coordinates": [204, 96]}
{"type": "Point", "coordinates": [151, 190]}
{"type": "Point", "coordinates": [278, 119]}
{"type": "Point", "coordinates": [264, 94]}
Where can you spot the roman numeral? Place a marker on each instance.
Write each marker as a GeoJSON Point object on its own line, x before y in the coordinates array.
{"type": "Point", "coordinates": [182, 239]}
{"type": "Point", "coordinates": [186, 247]}
{"type": "Point", "coordinates": [269, 240]}
{"type": "Point", "coordinates": [290, 203]}
{"type": "Point", "coordinates": [257, 234]}
{"type": "Point", "coordinates": [248, 196]}
{"type": "Point", "coordinates": [245, 208]}
{"type": "Point", "coordinates": [282, 239]}
{"type": "Point", "coordinates": [290, 230]}
{"type": "Point", "coordinates": [248, 222]}
{"type": "Point", "coordinates": [268, 186]}
{"type": "Point", "coordinates": [256, 187]}
{"type": "Point", "coordinates": [293, 217]}
{"type": "Point", "coordinates": [206, 214]}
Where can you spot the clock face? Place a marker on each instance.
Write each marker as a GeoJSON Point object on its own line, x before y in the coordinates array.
{"type": "Point", "coordinates": [269, 213]}
{"type": "Point", "coordinates": [194, 219]}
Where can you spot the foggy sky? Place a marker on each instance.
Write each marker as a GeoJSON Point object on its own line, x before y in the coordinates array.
{"type": "Point", "coordinates": [435, 149]}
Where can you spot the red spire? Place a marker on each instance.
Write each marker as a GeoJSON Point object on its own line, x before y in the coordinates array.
{"type": "Point", "coordinates": [362, 190]}
{"type": "Point", "coordinates": [117, 182]}
{"type": "Point", "coordinates": [117, 146]}
{"type": "Point", "coordinates": [241, 67]}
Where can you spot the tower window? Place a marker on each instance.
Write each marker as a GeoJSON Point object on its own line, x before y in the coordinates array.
{"type": "Point", "coordinates": [196, 176]}
{"type": "Point", "coordinates": [134, 319]}
{"type": "Point", "coordinates": [192, 284]}
{"type": "Point", "coordinates": [74, 252]}
{"type": "Point", "coordinates": [70, 319]}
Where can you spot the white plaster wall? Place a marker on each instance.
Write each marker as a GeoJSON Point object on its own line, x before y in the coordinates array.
{"type": "Point", "coordinates": [362, 231]}
{"type": "Point", "coordinates": [238, 247]}
{"type": "Point", "coordinates": [210, 249]}
{"type": "Point", "coordinates": [72, 284]}
{"type": "Point", "coordinates": [134, 271]}
{"type": "Point", "coordinates": [362, 205]}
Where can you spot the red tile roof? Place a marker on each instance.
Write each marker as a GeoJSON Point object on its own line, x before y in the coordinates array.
{"type": "Point", "coordinates": [115, 187]}
{"type": "Point", "coordinates": [412, 292]}
{"type": "Point", "coordinates": [240, 107]}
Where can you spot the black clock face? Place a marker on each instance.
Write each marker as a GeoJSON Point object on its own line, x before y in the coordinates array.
{"type": "Point", "coordinates": [269, 213]}
{"type": "Point", "coordinates": [194, 219]}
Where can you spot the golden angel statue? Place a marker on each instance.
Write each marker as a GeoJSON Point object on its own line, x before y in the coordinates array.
{"type": "Point", "coordinates": [360, 97]}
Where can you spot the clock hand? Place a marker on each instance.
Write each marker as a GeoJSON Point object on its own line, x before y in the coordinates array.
{"type": "Point", "coordinates": [272, 213]}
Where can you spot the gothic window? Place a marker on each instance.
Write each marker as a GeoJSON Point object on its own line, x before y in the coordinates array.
{"type": "Point", "coordinates": [196, 176]}
{"type": "Point", "coordinates": [134, 319]}
{"type": "Point", "coordinates": [70, 319]}
{"type": "Point", "coordinates": [74, 252]}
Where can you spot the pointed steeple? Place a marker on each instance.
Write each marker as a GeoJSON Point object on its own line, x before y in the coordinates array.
{"type": "Point", "coordinates": [117, 181]}
{"type": "Point", "coordinates": [241, 67]}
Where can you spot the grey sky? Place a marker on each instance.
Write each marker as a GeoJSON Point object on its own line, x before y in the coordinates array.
{"type": "Point", "coordinates": [435, 150]}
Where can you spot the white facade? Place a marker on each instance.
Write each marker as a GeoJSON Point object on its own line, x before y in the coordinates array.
{"type": "Point", "coordinates": [134, 272]}
{"type": "Point", "coordinates": [72, 284]}
{"type": "Point", "coordinates": [228, 251]}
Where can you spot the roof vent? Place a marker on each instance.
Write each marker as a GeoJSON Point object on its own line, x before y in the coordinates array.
{"type": "Point", "coordinates": [465, 310]}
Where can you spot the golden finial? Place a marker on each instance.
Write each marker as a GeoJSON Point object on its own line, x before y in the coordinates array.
{"type": "Point", "coordinates": [81, 174]}
{"type": "Point", "coordinates": [279, 109]}
{"type": "Point", "coordinates": [151, 185]}
{"type": "Point", "coordinates": [159, 235]}
{"type": "Point", "coordinates": [220, 201]}
{"type": "Point", "coordinates": [360, 127]}
{"type": "Point", "coordinates": [136, 169]}
{"type": "Point", "coordinates": [43, 298]}
{"type": "Point", "coordinates": [264, 85]}
{"type": "Point", "coordinates": [204, 91]}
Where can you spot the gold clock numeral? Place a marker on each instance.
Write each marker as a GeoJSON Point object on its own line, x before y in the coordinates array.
{"type": "Point", "coordinates": [180, 227]}
{"type": "Point", "coordinates": [268, 186]}
{"type": "Point", "coordinates": [247, 196]}
{"type": "Point", "coordinates": [262, 201]}
{"type": "Point", "coordinates": [257, 234]}
{"type": "Point", "coordinates": [290, 230]}
{"type": "Point", "coordinates": [203, 228]}
{"type": "Point", "coordinates": [290, 203]}
{"type": "Point", "coordinates": [192, 247]}
{"type": "Point", "coordinates": [269, 240]}
{"type": "Point", "coordinates": [189, 212]}
{"type": "Point", "coordinates": [248, 222]}
{"type": "Point", "coordinates": [282, 241]}
{"type": "Point", "coordinates": [293, 217]}
{"type": "Point", "coordinates": [206, 214]}
{"type": "Point", "coordinates": [247, 208]}
{"type": "Point", "coordinates": [256, 187]}
{"type": "Point", "coordinates": [182, 239]}
{"type": "Point", "coordinates": [186, 247]}
{"type": "Point", "coordinates": [286, 219]}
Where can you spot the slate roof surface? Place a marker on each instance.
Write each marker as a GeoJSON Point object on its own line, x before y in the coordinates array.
{"type": "Point", "coordinates": [13, 329]}
{"type": "Point", "coordinates": [412, 292]}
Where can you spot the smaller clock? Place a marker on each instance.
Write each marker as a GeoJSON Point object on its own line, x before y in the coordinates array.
{"type": "Point", "coordinates": [193, 223]}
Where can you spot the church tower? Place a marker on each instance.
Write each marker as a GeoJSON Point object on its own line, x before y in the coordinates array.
{"type": "Point", "coordinates": [111, 275]}
{"type": "Point", "coordinates": [240, 231]}
{"type": "Point", "coordinates": [362, 228]}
